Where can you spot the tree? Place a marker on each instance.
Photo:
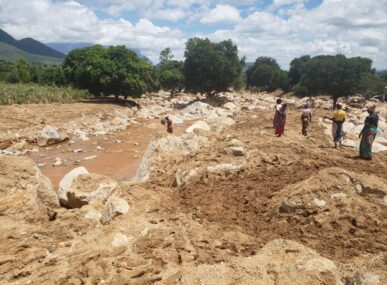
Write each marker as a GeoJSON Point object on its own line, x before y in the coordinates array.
{"type": "Point", "coordinates": [279, 79]}
{"type": "Point", "coordinates": [211, 67]}
{"type": "Point", "coordinates": [334, 75]}
{"type": "Point", "coordinates": [171, 75]}
{"type": "Point", "coordinates": [297, 69]}
{"type": "Point", "coordinates": [261, 72]}
{"type": "Point", "coordinates": [115, 70]}
{"type": "Point", "coordinates": [165, 55]}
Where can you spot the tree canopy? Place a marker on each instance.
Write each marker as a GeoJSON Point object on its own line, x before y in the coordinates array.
{"type": "Point", "coordinates": [211, 67]}
{"type": "Point", "coordinates": [333, 75]}
{"type": "Point", "coordinates": [114, 70]}
{"type": "Point", "coordinates": [171, 76]}
{"type": "Point", "coordinates": [267, 75]}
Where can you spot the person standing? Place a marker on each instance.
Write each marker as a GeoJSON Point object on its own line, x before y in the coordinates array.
{"type": "Point", "coordinates": [338, 120]}
{"type": "Point", "coordinates": [368, 133]}
{"type": "Point", "coordinates": [306, 118]}
{"type": "Point", "coordinates": [278, 105]}
{"type": "Point", "coordinates": [280, 120]}
{"type": "Point", "coordinates": [169, 124]}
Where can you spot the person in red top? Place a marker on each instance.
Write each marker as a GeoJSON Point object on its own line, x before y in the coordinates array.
{"type": "Point", "coordinates": [169, 124]}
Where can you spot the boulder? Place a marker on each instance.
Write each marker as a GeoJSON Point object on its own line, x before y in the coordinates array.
{"type": "Point", "coordinates": [237, 150]}
{"type": "Point", "coordinates": [25, 193]}
{"type": "Point", "coordinates": [288, 206]}
{"type": "Point", "coordinates": [89, 188]}
{"type": "Point", "coordinates": [235, 142]}
{"type": "Point", "coordinates": [349, 143]}
{"type": "Point", "coordinates": [176, 120]}
{"type": "Point", "coordinates": [230, 106]}
{"type": "Point", "coordinates": [115, 206]}
{"type": "Point", "coordinates": [119, 240]}
{"type": "Point", "coordinates": [198, 125]}
{"type": "Point", "coordinates": [67, 181]}
{"type": "Point", "coordinates": [220, 121]}
{"type": "Point", "coordinates": [172, 145]}
{"type": "Point", "coordinates": [183, 177]}
{"type": "Point", "coordinates": [224, 168]}
{"type": "Point", "coordinates": [50, 135]}
{"type": "Point", "coordinates": [377, 147]}
{"type": "Point", "coordinates": [195, 110]}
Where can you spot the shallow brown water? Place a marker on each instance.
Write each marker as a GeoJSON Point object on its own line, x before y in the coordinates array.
{"type": "Point", "coordinates": [119, 157]}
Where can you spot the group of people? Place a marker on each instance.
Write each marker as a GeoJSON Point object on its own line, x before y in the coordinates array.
{"type": "Point", "coordinates": [367, 134]}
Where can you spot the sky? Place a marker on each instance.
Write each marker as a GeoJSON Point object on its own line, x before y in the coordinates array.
{"type": "Point", "coordinates": [283, 29]}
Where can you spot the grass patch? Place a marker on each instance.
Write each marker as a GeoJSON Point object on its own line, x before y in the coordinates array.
{"type": "Point", "coordinates": [34, 94]}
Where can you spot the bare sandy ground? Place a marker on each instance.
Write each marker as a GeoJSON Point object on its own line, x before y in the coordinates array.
{"type": "Point", "coordinates": [188, 234]}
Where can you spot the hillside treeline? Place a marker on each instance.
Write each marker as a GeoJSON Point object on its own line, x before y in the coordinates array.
{"type": "Point", "coordinates": [208, 68]}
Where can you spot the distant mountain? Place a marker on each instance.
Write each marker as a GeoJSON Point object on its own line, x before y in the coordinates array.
{"type": "Point", "coordinates": [30, 46]}
{"type": "Point", "coordinates": [67, 47]}
{"type": "Point", "coordinates": [11, 53]}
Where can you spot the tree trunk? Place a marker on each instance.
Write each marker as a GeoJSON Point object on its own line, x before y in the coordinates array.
{"type": "Point", "coordinates": [334, 101]}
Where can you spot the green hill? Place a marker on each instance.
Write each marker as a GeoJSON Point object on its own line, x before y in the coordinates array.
{"type": "Point", "coordinates": [11, 53]}
{"type": "Point", "coordinates": [30, 45]}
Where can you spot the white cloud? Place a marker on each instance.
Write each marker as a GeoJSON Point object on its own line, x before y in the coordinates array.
{"type": "Point", "coordinates": [77, 23]}
{"type": "Point", "coordinates": [284, 29]}
{"type": "Point", "coordinates": [278, 3]}
{"type": "Point", "coordinates": [354, 28]}
{"type": "Point", "coordinates": [221, 14]}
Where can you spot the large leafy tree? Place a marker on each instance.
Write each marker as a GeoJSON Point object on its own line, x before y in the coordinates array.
{"type": "Point", "coordinates": [297, 68]}
{"type": "Point", "coordinates": [115, 70]}
{"type": "Point", "coordinates": [334, 75]}
{"type": "Point", "coordinates": [267, 75]}
{"type": "Point", "coordinates": [171, 76]}
{"type": "Point", "coordinates": [211, 67]}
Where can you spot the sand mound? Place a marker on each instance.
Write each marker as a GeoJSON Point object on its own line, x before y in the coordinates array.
{"type": "Point", "coordinates": [278, 262]}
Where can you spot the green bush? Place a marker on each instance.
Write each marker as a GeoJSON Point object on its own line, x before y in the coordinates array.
{"type": "Point", "coordinates": [33, 94]}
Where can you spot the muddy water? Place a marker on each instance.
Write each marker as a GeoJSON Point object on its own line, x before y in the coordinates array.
{"type": "Point", "coordinates": [117, 155]}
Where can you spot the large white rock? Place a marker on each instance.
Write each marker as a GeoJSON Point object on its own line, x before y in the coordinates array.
{"type": "Point", "coordinates": [25, 193]}
{"type": "Point", "coordinates": [183, 177]}
{"type": "Point", "coordinates": [237, 150]}
{"type": "Point", "coordinates": [198, 125]}
{"type": "Point", "coordinates": [114, 206]}
{"type": "Point", "coordinates": [50, 135]}
{"type": "Point", "coordinates": [377, 147]}
{"type": "Point", "coordinates": [176, 120]}
{"type": "Point", "coordinates": [230, 106]}
{"type": "Point", "coordinates": [224, 167]}
{"type": "Point", "coordinates": [220, 121]}
{"type": "Point", "coordinates": [89, 188]}
{"type": "Point", "coordinates": [349, 143]}
{"type": "Point", "coordinates": [183, 145]}
{"type": "Point", "coordinates": [66, 182]}
{"type": "Point", "coordinates": [197, 109]}
{"type": "Point", "coordinates": [119, 240]}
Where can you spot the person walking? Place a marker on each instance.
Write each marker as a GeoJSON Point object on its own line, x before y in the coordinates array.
{"type": "Point", "coordinates": [280, 120]}
{"type": "Point", "coordinates": [368, 133]}
{"type": "Point", "coordinates": [338, 120]}
{"type": "Point", "coordinates": [306, 118]}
